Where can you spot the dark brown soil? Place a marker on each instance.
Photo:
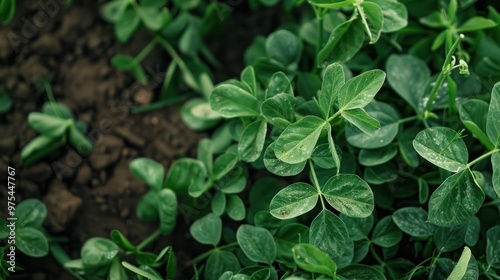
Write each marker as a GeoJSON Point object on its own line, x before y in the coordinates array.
{"type": "Point", "coordinates": [85, 196]}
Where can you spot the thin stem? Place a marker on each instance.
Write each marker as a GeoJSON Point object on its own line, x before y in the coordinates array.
{"type": "Point", "coordinates": [376, 256]}
{"type": "Point", "coordinates": [61, 257]}
{"type": "Point", "coordinates": [442, 75]}
{"type": "Point", "coordinates": [208, 253]}
{"type": "Point", "coordinates": [409, 119]}
{"type": "Point", "coordinates": [316, 183]}
{"type": "Point", "coordinates": [147, 49]}
{"type": "Point", "coordinates": [52, 100]}
{"type": "Point", "coordinates": [334, 116]}
{"type": "Point", "coordinates": [482, 157]}
{"type": "Point", "coordinates": [159, 104]}
{"type": "Point", "coordinates": [149, 240]}
{"type": "Point", "coordinates": [319, 16]}
{"type": "Point", "coordinates": [491, 203]}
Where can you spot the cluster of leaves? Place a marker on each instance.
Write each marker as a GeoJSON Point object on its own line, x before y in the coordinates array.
{"type": "Point", "coordinates": [57, 126]}
{"type": "Point", "coordinates": [179, 28]}
{"type": "Point", "coordinates": [314, 113]}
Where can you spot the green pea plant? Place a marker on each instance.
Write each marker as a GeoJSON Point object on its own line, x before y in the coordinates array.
{"type": "Point", "coordinates": [179, 29]}
{"type": "Point", "coordinates": [344, 150]}
{"type": "Point", "coordinates": [57, 126]}
{"type": "Point", "coordinates": [5, 102]}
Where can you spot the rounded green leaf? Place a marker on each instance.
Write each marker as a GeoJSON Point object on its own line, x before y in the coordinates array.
{"type": "Point", "coordinates": [372, 157]}
{"type": "Point", "coordinates": [350, 195]}
{"type": "Point", "coordinates": [76, 138]}
{"type": "Point", "coordinates": [456, 200]}
{"type": "Point", "coordinates": [231, 101]}
{"type": "Point", "coordinates": [413, 221]}
{"type": "Point", "coordinates": [186, 174]}
{"type": "Point", "coordinates": [121, 241]}
{"type": "Point", "coordinates": [443, 147]}
{"type": "Point", "coordinates": [233, 182]}
{"type": "Point", "coordinates": [279, 84]}
{"type": "Point", "coordinates": [30, 212]}
{"type": "Point", "coordinates": [219, 262]}
{"type": "Point", "coordinates": [279, 110]}
{"type": "Point", "coordinates": [386, 234]}
{"type": "Point", "coordinates": [147, 207]}
{"type": "Point", "coordinates": [460, 268]}
{"type": "Point", "coordinates": [47, 125]}
{"type": "Point", "coordinates": [329, 234]}
{"type": "Point", "coordinates": [296, 143]}
{"type": "Point", "coordinates": [294, 200]}
{"type": "Point", "coordinates": [257, 243]}
{"type": "Point", "coordinates": [372, 19]}
{"type": "Point", "coordinates": [395, 14]}
{"type": "Point", "coordinates": [278, 167]}
{"type": "Point", "coordinates": [448, 239]}
{"type": "Point", "coordinates": [333, 80]}
{"type": "Point", "coordinates": [389, 127]}
{"type": "Point", "coordinates": [408, 76]}
{"type": "Point", "coordinates": [492, 123]}
{"type": "Point", "coordinates": [223, 164]}
{"type": "Point", "coordinates": [357, 92]}
{"type": "Point", "coordinates": [235, 208]}
{"type": "Point", "coordinates": [32, 242]}
{"type": "Point", "coordinates": [345, 34]}
{"type": "Point", "coordinates": [312, 259]}
{"type": "Point", "coordinates": [322, 156]}
{"type": "Point", "coordinates": [284, 47]}
{"type": "Point", "coordinates": [473, 114]}
{"type": "Point", "coordinates": [252, 141]}
{"type": "Point", "coordinates": [358, 228]}
{"type": "Point", "coordinates": [149, 171]}
{"type": "Point", "coordinates": [218, 203]}
{"type": "Point", "coordinates": [167, 206]}
{"type": "Point", "coordinates": [198, 115]}
{"type": "Point", "coordinates": [207, 230]}
{"type": "Point", "coordinates": [360, 119]}
{"type": "Point", "coordinates": [493, 246]}
{"type": "Point", "coordinates": [98, 252]}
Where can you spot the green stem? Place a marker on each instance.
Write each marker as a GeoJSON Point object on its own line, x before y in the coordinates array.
{"type": "Point", "coordinates": [442, 75]}
{"type": "Point", "coordinates": [208, 253]}
{"type": "Point", "coordinates": [159, 104]}
{"type": "Point", "coordinates": [495, 202]}
{"type": "Point", "coordinates": [330, 119]}
{"type": "Point", "coordinates": [409, 119]}
{"type": "Point", "coordinates": [52, 100]}
{"type": "Point", "coordinates": [149, 240]}
{"type": "Point", "coordinates": [171, 51]}
{"type": "Point", "coordinates": [482, 157]}
{"type": "Point", "coordinates": [320, 40]}
{"type": "Point", "coordinates": [316, 183]}
{"type": "Point", "coordinates": [147, 49]}
{"type": "Point", "coordinates": [61, 257]}
{"type": "Point", "coordinates": [376, 256]}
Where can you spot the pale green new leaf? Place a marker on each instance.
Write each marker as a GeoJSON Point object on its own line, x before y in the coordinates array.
{"type": "Point", "coordinates": [361, 119]}
{"type": "Point", "coordinates": [294, 200]}
{"type": "Point", "coordinates": [329, 234]}
{"type": "Point", "coordinates": [296, 143]}
{"type": "Point", "coordinates": [350, 195]}
{"type": "Point", "coordinates": [231, 101]}
{"type": "Point", "coordinates": [257, 243]}
{"type": "Point", "coordinates": [461, 266]}
{"type": "Point", "coordinates": [456, 200]}
{"type": "Point", "coordinates": [47, 125]}
{"type": "Point", "coordinates": [443, 147]}
{"type": "Point", "coordinates": [373, 157]}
